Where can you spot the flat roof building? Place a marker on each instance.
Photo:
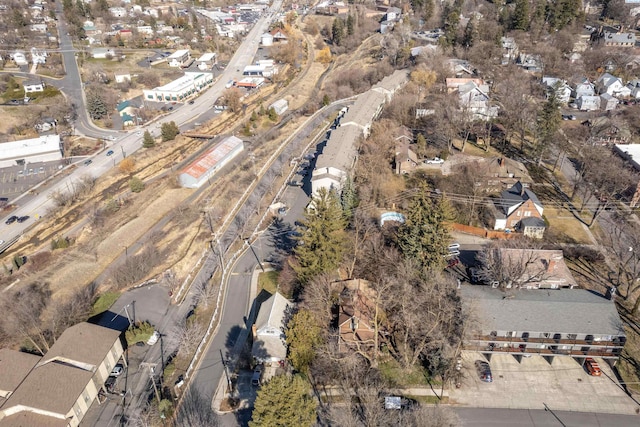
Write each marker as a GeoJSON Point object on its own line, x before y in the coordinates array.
{"type": "Point", "coordinates": [179, 57]}
{"type": "Point", "coordinates": [210, 163]}
{"type": "Point", "coordinates": [44, 148]}
{"type": "Point", "coordinates": [180, 89]}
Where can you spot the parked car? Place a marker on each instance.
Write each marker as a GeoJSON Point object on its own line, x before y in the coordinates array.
{"type": "Point", "coordinates": [4, 199]}
{"type": "Point", "coordinates": [283, 210]}
{"type": "Point", "coordinates": [117, 370]}
{"type": "Point", "coordinates": [434, 161]}
{"type": "Point", "coordinates": [23, 218]}
{"type": "Point", "coordinates": [11, 219]}
{"type": "Point", "coordinates": [110, 153]}
{"type": "Point", "coordinates": [484, 371]}
{"type": "Point", "coordinates": [592, 367]}
{"type": "Point", "coordinates": [256, 378]}
{"type": "Point", "coordinates": [399, 402]}
{"type": "Point", "coordinates": [153, 338]}
{"type": "Point", "coordinates": [88, 162]}
{"type": "Point", "coordinates": [110, 384]}
{"type": "Point", "coordinates": [191, 102]}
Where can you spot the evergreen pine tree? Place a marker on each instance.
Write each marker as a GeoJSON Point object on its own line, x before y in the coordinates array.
{"type": "Point", "coordinates": [284, 402]}
{"type": "Point", "coordinates": [323, 238]}
{"type": "Point", "coordinates": [424, 236]}
{"type": "Point", "coordinates": [147, 140]}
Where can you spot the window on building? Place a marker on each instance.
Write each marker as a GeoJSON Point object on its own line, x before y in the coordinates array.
{"type": "Point", "coordinates": [86, 397]}
{"type": "Point", "coordinates": [77, 410]}
{"type": "Point", "coordinates": [527, 213]}
{"type": "Point", "coordinates": [572, 336]}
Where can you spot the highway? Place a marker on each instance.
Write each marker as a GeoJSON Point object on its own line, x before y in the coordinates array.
{"type": "Point", "coordinates": [126, 144]}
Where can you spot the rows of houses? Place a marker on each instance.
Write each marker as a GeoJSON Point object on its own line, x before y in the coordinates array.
{"type": "Point", "coordinates": [58, 388]}
{"type": "Point", "coordinates": [338, 157]}
{"type": "Point", "coordinates": [603, 94]}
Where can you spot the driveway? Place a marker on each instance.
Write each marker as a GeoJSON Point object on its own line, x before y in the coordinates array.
{"type": "Point", "coordinates": [564, 386]}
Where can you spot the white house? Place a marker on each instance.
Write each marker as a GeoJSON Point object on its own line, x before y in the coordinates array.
{"type": "Point", "coordinates": [269, 344]}
{"type": "Point", "coordinates": [118, 12]}
{"type": "Point", "coordinates": [206, 61]}
{"type": "Point", "coordinates": [38, 56]}
{"type": "Point", "coordinates": [613, 86]}
{"type": "Point", "coordinates": [20, 59]}
{"type": "Point", "coordinates": [588, 103]}
{"type": "Point", "coordinates": [583, 87]}
{"type": "Point", "coordinates": [608, 102]}
{"type": "Point", "coordinates": [33, 86]}
{"type": "Point", "coordinates": [103, 53]}
{"type": "Point", "coordinates": [266, 39]}
{"type": "Point", "coordinates": [562, 89]}
{"type": "Point", "coordinates": [634, 86]}
{"type": "Point", "coordinates": [45, 148]}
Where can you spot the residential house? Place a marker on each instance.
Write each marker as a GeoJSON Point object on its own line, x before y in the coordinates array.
{"type": "Point", "coordinates": [20, 59]}
{"type": "Point", "coordinates": [269, 344]}
{"type": "Point", "coordinates": [31, 86]}
{"type": "Point", "coordinates": [530, 62]}
{"type": "Point", "coordinates": [634, 87]}
{"type": "Point", "coordinates": [90, 29]}
{"type": "Point", "coordinates": [509, 50]}
{"type": "Point", "coordinates": [618, 39]}
{"type": "Point", "coordinates": [493, 174]}
{"type": "Point", "coordinates": [38, 28]}
{"type": "Point", "coordinates": [583, 87]}
{"type": "Point", "coordinates": [561, 88]}
{"type": "Point", "coordinates": [406, 159]}
{"type": "Point", "coordinates": [515, 204]}
{"type": "Point", "coordinates": [118, 12]}
{"type": "Point", "coordinates": [608, 102]}
{"type": "Point", "coordinates": [588, 103]}
{"type": "Point", "coordinates": [532, 227]}
{"type": "Point", "coordinates": [531, 269]}
{"type": "Point", "coordinates": [474, 100]}
{"type": "Point", "coordinates": [279, 35]}
{"type": "Point", "coordinates": [336, 161]}
{"type": "Point", "coordinates": [565, 322]}
{"type": "Point", "coordinates": [631, 153]}
{"type": "Point", "coordinates": [613, 86]}
{"type": "Point", "coordinates": [356, 314]}
{"type": "Point", "coordinates": [460, 67]}
{"type": "Point", "coordinates": [266, 39]}
{"type": "Point", "coordinates": [38, 57]}
{"type": "Point", "coordinates": [59, 388]}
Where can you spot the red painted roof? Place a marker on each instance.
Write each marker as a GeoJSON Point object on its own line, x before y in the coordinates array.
{"type": "Point", "coordinates": [212, 157]}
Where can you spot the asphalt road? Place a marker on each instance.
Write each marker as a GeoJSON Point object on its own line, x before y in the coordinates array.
{"type": "Point", "coordinates": [475, 417]}
{"type": "Point", "coordinates": [126, 143]}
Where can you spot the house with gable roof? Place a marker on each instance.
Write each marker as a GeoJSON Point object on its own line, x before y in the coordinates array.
{"type": "Point", "coordinates": [59, 388]}
{"type": "Point", "coordinates": [583, 87]}
{"type": "Point", "coordinates": [612, 85]}
{"type": "Point", "coordinates": [561, 88]}
{"type": "Point", "coordinates": [269, 344]}
{"type": "Point", "coordinates": [356, 314]}
{"type": "Point", "coordinates": [514, 205]}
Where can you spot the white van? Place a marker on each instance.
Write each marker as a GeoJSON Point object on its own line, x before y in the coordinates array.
{"type": "Point", "coordinates": [229, 84]}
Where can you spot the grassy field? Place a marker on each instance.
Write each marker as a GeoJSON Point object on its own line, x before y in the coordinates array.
{"type": "Point", "coordinates": [268, 281]}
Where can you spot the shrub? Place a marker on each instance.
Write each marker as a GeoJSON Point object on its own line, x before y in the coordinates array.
{"type": "Point", "coordinates": [136, 185]}
{"type": "Point", "coordinates": [140, 332]}
{"type": "Point", "coordinates": [61, 243]}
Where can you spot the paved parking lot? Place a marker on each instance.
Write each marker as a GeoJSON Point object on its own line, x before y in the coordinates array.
{"type": "Point", "coordinates": [564, 386]}
{"type": "Point", "coordinates": [16, 180]}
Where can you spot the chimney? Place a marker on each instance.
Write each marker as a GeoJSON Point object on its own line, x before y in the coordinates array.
{"type": "Point", "coordinates": [552, 262]}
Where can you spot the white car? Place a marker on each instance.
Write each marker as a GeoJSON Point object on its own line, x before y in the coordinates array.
{"type": "Point", "coordinates": [117, 371]}
{"type": "Point", "coordinates": [153, 338]}
{"type": "Point", "coordinates": [434, 161]}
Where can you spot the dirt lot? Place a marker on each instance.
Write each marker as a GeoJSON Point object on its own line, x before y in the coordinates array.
{"type": "Point", "coordinates": [563, 385]}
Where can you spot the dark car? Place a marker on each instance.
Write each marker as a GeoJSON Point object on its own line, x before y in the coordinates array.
{"type": "Point", "coordinates": [191, 102]}
{"type": "Point", "coordinates": [23, 218]}
{"type": "Point", "coordinates": [88, 162]}
{"type": "Point", "coordinates": [484, 371]}
{"type": "Point", "coordinates": [110, 384]}
{"type": "Point", "coordinates": [110, 152]}
{"type": "Point", "coordinates": [11, 219]}
{"type": "Point", "coordinates": [4, 199]}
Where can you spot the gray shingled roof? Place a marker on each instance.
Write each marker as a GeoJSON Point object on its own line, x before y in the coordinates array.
{"type": "Point", "coordinates": [14, 367]}
{"type": "Point", "coordinates": [513, 196]}
{"type": "Point", "coordinates": [341, 149]}
{"type": "Point", "coordinates": [570, 311]}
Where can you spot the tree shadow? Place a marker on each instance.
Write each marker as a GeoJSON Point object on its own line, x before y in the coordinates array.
{"type": "Point", "coordinates": [232, 338]}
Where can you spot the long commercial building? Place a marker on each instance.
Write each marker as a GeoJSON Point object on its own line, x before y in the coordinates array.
{"type": "Point", "coordinates": [339, 156]}
{"type": "Point", "coordinates": [210, 163]}
{"type": "Point", "coordinates": [45, 148]}
{"type": "Point", "coordinates": [180, 89]}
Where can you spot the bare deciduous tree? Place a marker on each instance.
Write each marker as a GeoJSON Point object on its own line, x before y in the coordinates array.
{"type": "Point", "coordinates": [185, 337]}
{"type": "Point", "coordinates": [510, 263]}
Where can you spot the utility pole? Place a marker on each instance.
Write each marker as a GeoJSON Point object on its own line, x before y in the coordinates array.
{"type": "Point", "coordinates": [248, 242]}
{"type": "Point", "coordinates": [152, 367]}
{"type": "Point", "coordinates": [226, 370]}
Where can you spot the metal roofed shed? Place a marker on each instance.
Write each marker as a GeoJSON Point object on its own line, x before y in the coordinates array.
{"type": "Point", "coordinates": [210, 163]}
{"type": "Point", "coordinates": [280, 106]}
